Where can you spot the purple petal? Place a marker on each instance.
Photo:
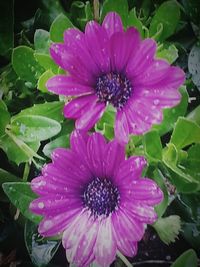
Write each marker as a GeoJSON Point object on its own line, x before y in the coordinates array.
{"type": "Point", "coordinates": [79, 106]}
{"type": "Point", "coordinates": [147, 191]}
{"type": "Point", "coordinates": [121, 128]}
{"type": "Point", "coordinates": [95, 149]}
{"type": "Point", "coordinates": [65, 85]}
{"type": "Point", "coordinates": [122, 46]}
{"type": "Point", "coordinates": [113, 156]}
{"type": "Point", "coordinates": [64, 58]}
{"type": "Point", "coordinates": [55, 225]}
{"type": "Point", "coordinates": [97, 43]}
{"type": "Point", "coordinates": [112, 23]}
{"type": "Point", "coordinates": [78, 141]}
{"type": "Point", "coordinates": [105, 247]}
{"type": "Point", "coordinates": [130, 170]}
{"type": "Point", "coordinates": [142, 59]}
{"type": "Point", "coordinates": [90, 117]}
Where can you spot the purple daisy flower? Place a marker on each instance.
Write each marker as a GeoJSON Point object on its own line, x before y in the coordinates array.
{"type": "Point", "coordinates": [96, 199]}
{"type": "Point", "coordinates": [106, 65]}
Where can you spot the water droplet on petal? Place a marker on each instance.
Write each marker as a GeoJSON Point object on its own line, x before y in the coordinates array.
{"type": "Point", "coordinates": [156, 102]}
{"type": "Point", "coordinates": [40, 205]}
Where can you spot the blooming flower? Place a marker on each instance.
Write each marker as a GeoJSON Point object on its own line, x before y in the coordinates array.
{"type": "Point", "coordinates": [96, 199]}
{"type": "Point", "coordinates": [106, 65]}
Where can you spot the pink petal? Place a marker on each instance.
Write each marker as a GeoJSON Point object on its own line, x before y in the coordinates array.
{"type": "Point", "coordinates": [78, 141]}
{"type": "Point", "coordinates": [65, 85]}
{"type": "Point", "coordinates": [79, 106]}
{"type": "Point", "coordinates": [105, 247]}
{"type": "Point", "coordinates": [142, 59]}
{"type": "Point", "coordinates": [112, 23]}
{"type": "Point", "coordinates": [95, 150]}
{"type": "Point", "coordinates": [121, 128]}
{"type": "Point", "coordinates": [97, 43]}
{"type": "Point", "coordinates": [122, 46]}
{"type": "Point", "coordinates": [90, 117]}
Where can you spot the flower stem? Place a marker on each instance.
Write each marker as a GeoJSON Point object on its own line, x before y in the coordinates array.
{"type": "Point", "coordinates": [124, 259]}
{"type": "Point", "coordinates": [96, 9]}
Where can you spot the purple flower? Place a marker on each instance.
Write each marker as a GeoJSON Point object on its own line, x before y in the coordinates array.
{"type": "Point", "coordinates": [106, 65]}
{"type": "Point", "coordinates": [96, 199]}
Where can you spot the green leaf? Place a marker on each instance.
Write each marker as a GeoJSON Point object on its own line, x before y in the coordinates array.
{"type": "Point", "coordinates": [194, 115]}
{"type": "Point", "coordinates": [18, 151]}
{"type": "Point", "coordinates": [61, 141]}
{"type": "Point", "coordinates": [43, 80]}
{"type": "Point", "coordinates": [81, 13]}
{"type": "Point", "coordinates": [152, 146]}
{"type": "Point", "coordinates": [134, 21]}
{"type": "Point", "coordinates": [187, 259]}
{"type": "Point", "coordinates": [119, 6]}
{"type": "Point", "coordinates": [25, 64]}
{"type": "Point", "coordinates": [4, 120]}
{"type": "Point", "coordinates": [168, 228]}
{"type": "Point", "coordinates": [6, 176]}
{"type": "Point", "coordinates": [40, 249]}
{"type": "Point", "coordinates": [159, 178]}
{"type": "Point", "coordinates": [194, 66]}
{"type": "Point", "coordinates": [170, 53]}
{"type": "Point", "coordinates": [42, 41]}
{"type": "Point", "coordinates": [6, 26]}
{"type": "Point", "coordinates": [170, 115]}
{"type": "Point", "coordinates": [168, 14]}
{"type": "Point", "coordinates": [51, 110]}
{"type": "Point", "coordinates": [59, 25]}
{"type": "Point", "coordinates": [31, 128]}
{"type": "Point", "coordinates": [46, 62]}
{"type": "Point", "coordinates": [185, 133]}
{"type": "Point", "coordinates": [21, 195]}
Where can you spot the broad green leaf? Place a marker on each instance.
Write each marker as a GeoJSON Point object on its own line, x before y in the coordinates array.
{"type": "Point", "coordinates": [134, 21]}
{"type": "Point", "coordinates": [25, 64]}
{"type": "Point", "coordinates": [59, 25]}
{"type": "Point", "coordinates": [119, 6]}
{"type": "Point", "coordinates": [40, 249]}
{"type": "Point", "coordinates": [3, 105]}
{"type": "Point", "coordinates": [21, 195]}
{"type": "Point", "coordinates": [185, 133]}
{"type": "Point", "coordinates": [191, 232]}
{"type": "Point", "coordinates": [6, 26]}
{"type": "Point", "coordinates": [4, 120]}
{"type": "Point", "coordinates": [41, 85]}
{"type": "Point", "coordinates": [170, 115]}
{"type": "Point", "coordinates": [168, 228]}
{"type": "Point", "coordinates": [194, 66]}
{"type": "Point", "coordinates": [159, 178]}
{"type": "Point", "coordinates": [61, 141]}
{"type": "Point", "coordinates": [170, 53]}
{"type": "Point", "coordinates": [168, 14]}
{"type": "Point", "coordinates": [194, 115]}
{"type": "Point", "coordinates": [31, 128]}
{"type": "Point", "coordinates": [152, 146]}
{"type": "Point", "coordinates": [51, 110]}
{"type": "Point", "coordinates": [42, 41]}
{"type": "Point", "coordinates": [18, 151]}
{"type": "Point", "coordinates": [6, 176]}
{"type": "Point", "coordinates": [46, 62]}
{"type": "Point", "coordinates": [187, 259]}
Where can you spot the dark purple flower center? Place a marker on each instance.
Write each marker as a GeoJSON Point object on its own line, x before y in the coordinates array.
{"type": "Point", "coordinates": [101, 196]}
{"type": "Point", "coordinates": [113, 88]}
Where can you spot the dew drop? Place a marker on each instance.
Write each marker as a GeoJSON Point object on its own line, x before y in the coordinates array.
{"type": "Point", "coordinates": [40, 205]}
{"type": "Point", "coordinates": [156, 102]}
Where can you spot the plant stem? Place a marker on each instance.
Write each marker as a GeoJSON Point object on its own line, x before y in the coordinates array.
{"type": "Point", "coordinates": [124, 259]}
{"type": "Point", "coordinates": [96, 9]}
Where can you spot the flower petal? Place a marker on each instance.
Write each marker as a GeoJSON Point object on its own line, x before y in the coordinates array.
{"type": "Point", "coordinates": [105, 246]}
{"type": "Point", "coordinates": [65, 85]}
{"type": "Point", "coordinates": [122, 46]}
{"type": "Point", "coordinates": [90, 117]}
{"type": "Point", "coordinates": [79, 106]}
{"type": "Point", "coordinates": [112, 23]}
{"type": "Point", "coordinates": [121, 128]}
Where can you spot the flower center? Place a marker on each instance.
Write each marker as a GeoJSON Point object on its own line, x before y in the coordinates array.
{"type": "Point", "coordinates": [101, 196]}
{"type": "Point", "coordinates": [113, 88]}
